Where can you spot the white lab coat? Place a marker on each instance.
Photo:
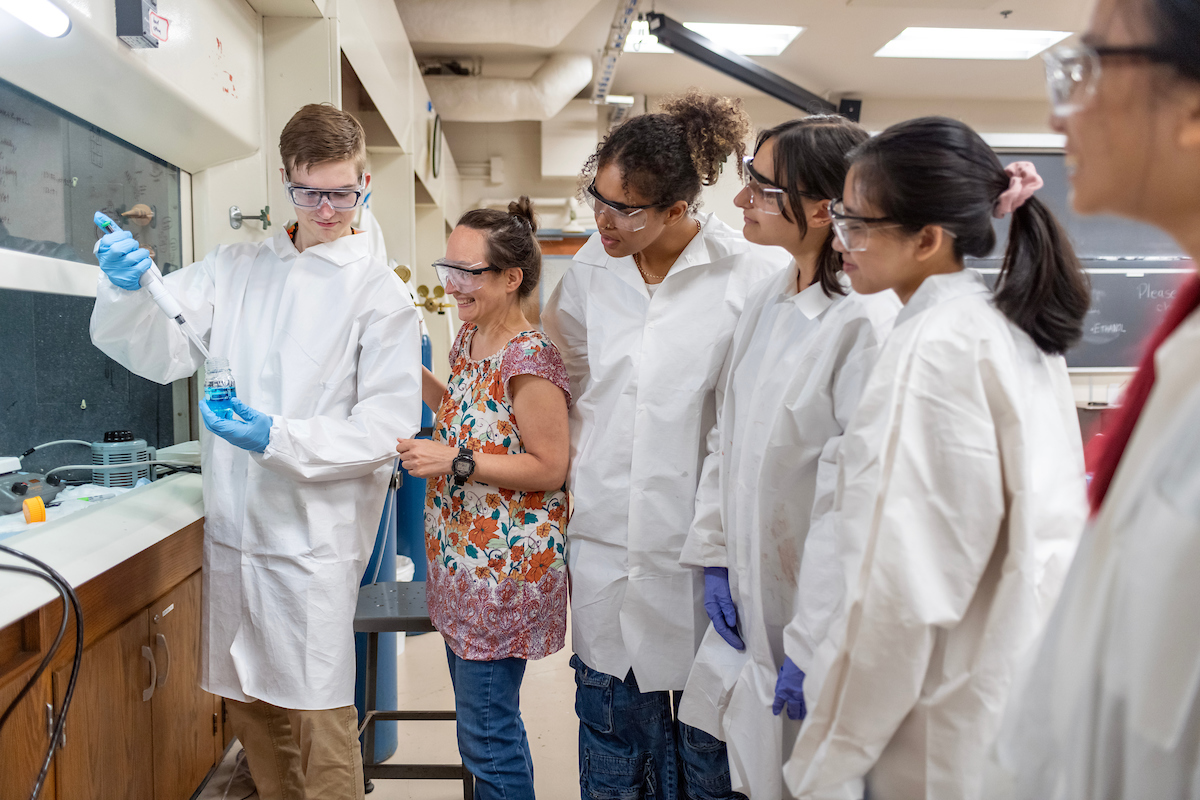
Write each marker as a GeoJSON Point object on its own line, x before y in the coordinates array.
{"type": "Point", "coordinates": [1111, 709]}
{"type": "Point", "coordinates": [327, 343]}
{"type": "Point", "coordinates": [644, 371]}
{"type": "Point", "coordinates": [796, 370]}
{"type": "Point", "coordinates": [960, 504]}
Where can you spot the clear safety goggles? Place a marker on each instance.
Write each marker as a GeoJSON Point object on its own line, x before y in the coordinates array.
{"type": "Point", "coordinates": [459, 276]}
{"type": "Point", "coordinates": [764, 195]}
{"type": "Point", "coordinates": [619, 215]}
{"type": "Point", "coordinates": [855, 232]}
{"type": "Point", "coordinates": [1073, 71]}
{"type": "Point", "coordinates": [311, 196]}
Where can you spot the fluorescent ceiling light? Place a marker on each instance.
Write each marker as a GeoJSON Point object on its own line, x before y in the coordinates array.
{"type": "Point", "coordinates": [41, 15]}
{"type": "Point", "coordinates": [743, 39]}
{"type": "Point", "coordinates": [619, 99]}
{"type": "Point", "coordinates": [973, 43]}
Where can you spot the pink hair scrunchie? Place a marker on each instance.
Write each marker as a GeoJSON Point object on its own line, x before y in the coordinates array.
{"type": "Point", "coordinates": [1023, 182]}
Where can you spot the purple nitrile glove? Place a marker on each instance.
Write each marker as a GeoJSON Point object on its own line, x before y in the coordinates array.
{"type": "Point", "coordinates": [789, 691]}
{"type": "Point", "coordinates": [718, 602]}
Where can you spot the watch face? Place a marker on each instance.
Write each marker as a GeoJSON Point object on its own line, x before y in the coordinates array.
{"type": "Point", "coordinates": [462, 467]}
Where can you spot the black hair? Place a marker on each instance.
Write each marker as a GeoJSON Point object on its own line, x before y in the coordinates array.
{"type": "Point", "coordinates": [1176, 27]}
{"type": "Point", "coordinates": [670, 156]}
{"type": "Point", "coordinates": [511, 243]}
{"type": "Point", "coordinates": [810, 161]}
{"type": "Point", "coordinates": [937, 171]}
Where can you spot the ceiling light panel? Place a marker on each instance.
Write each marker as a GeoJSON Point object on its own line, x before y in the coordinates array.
{"type": "Point", "coordinates": [743, 39]}
{"type": "Point", "coordinates": [970, 43]}
{"type": "Point", "coordinates": [41, 15]}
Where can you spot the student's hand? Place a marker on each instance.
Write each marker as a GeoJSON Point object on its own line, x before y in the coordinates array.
{"type": "Point", "coordinates": [252, 432]}
{"type": "Point", "coordinates": [122, 259]}
{"type": "Point", "coordinates": [425, 459]}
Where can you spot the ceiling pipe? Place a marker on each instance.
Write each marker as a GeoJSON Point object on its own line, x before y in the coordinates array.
{"type": "Point", "coordinates": [532, 23]}
{"type": "Point", "coordinates": [479, 99]}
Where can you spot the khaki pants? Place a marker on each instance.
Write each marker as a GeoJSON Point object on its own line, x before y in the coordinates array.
{"type": "Point", "coordinates": [300, 755]}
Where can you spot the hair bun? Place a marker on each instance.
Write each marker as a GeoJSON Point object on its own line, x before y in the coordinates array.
{"type": "Point", "coordinates": [522, 208]}
{"type": "Point", "coordinates": [714, 127]}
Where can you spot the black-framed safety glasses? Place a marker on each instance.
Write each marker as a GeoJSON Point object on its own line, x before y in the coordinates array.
{"type": "Point", "coordinates": [460, 276]}
{"type": "Point", "coordinates": [620, 215]}
{"type": "Point", "coordinates": [312, 196]}
{"type": "Point", "coordinates": [1073, 71]}
{"type": "Point", "coordinates": [854, 232]}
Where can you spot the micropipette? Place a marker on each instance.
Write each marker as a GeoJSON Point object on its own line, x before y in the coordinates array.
{"type": "Point", "coordinates": [152, 282]}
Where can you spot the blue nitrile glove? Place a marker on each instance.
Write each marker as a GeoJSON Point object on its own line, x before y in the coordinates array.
{"type": "Point", "coordinates": [253, 434]}
{"type": "Point", "coordinates": [122, 259]}
{"type": "Point", "coordinates": [789, 691]}
{"type": "Point", "coordinates": [718, 602]}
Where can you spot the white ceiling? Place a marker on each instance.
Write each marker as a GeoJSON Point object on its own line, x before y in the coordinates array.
{"type": "Point", "coordinates": [833, 57]}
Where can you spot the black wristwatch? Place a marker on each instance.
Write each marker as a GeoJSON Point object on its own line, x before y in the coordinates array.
{"type": "Point", "coordinates": [463, 465]}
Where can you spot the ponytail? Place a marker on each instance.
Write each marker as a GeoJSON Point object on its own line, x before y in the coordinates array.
{"type": "Point", "coordinates": [1042, 286]}
{"type": "Point", "coordinates": [937, 171]}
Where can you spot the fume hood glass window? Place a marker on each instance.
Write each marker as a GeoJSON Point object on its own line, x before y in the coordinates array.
{"type": "Point", "coordinates": [56, 171]}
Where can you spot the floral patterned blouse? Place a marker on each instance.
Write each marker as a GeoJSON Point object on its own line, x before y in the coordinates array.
{"type": "Point", "coordinates": [497, 581]}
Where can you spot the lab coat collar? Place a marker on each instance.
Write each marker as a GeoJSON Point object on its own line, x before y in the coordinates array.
{"type": "Point", "coordinates": [813, 301]}
{"type": "Point", "coordinates": [339, 252]}
{"type": "Point", "coordinates": [937, 289]}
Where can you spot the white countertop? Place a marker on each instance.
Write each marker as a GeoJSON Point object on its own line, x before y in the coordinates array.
{"type": "Point", "coordinates": [95, 540]}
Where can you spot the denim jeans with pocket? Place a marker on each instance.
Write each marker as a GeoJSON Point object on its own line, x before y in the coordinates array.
{"type": "Point", "coordinates": [491, 735]}
{"type": "Point", "coordinates": [631, 747]}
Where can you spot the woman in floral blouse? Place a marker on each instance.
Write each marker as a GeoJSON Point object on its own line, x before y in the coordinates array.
{"type": "Point", "coordinates": [496, 515]}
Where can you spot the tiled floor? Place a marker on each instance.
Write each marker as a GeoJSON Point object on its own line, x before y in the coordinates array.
{"type": "Point", "coordinates": [547, 706]}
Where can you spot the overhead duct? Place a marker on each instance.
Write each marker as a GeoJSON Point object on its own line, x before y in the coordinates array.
{"type": "Point", "coordinates": [534, 23]}
{"type": "Point", "coordinates": [541, 97]}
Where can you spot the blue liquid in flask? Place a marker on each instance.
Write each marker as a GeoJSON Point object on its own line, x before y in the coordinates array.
{"type": "Point", "coordinates": [220, 400]}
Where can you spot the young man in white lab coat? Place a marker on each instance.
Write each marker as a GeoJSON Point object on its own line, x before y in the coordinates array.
{"type": "Point", "coordinates": [324, 345]}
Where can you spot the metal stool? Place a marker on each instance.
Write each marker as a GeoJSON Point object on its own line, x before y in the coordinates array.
{"type": "Point", "coordinates": [398, 606]}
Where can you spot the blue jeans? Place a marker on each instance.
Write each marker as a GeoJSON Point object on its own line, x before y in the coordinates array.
{"type": "Point", "coordinates": [631, 747]}
{"type": "Point", "coordinates": [491, 735]}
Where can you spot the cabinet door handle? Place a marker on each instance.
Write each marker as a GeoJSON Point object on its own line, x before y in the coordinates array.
{"type": "Point", "coordinates": [166, 673]}
{"type": "Point", "coordinates": [62, 740]}
{"type": "Point", "coordinates": [148, 692]}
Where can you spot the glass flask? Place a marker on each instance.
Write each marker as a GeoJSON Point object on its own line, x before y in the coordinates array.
{"type": "Point", "coordinates": [219, 389]}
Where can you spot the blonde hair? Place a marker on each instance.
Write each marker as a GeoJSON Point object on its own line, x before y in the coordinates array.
{"type": "Point", "coordinates": [319, 133]}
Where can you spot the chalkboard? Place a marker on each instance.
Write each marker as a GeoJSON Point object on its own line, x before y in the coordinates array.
{"type": "Point", "coordinates": [56, 171]}
{"type": "Point", "coordinates": [1127, 305]}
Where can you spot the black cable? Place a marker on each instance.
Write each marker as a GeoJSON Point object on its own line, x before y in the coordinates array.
{"type": "Point", "coordinates": [56, 734]}
{"type": "Point", "coordinates": [53, 649]}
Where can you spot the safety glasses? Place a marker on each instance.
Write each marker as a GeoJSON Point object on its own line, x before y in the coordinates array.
{"type": "Point", "coordinates": [855, 232]}
{"type": "Point", "coordinates": [764, 195]}
{"type": "Point", "coordinates": [311, 197]}
{"type": "Point", "coordinates": [1073, 71]}
{"type": "Point", "coordinates": [459, 276]}
{"type": "Point", "coordinates": [619, 215]}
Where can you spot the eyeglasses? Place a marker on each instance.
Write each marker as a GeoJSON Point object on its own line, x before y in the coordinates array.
{"type": "Point", "coordinates": [855, 232]}
{"type": "Point", "coordinates": [1072, 72]}
{"type": "Point", "coordinates": [311, 197]}
{"type": "Point", "coordinates": [460, 276]}
{"type": "Point", "coordinates": [620, 215]}
{"type": "Point", "coordinates": [764, 195]}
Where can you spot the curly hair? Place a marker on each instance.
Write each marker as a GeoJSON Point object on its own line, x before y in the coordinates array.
{"type": "Point", "coordinates": [670, 156]}
{"type": "Point", "coordinates": [511, 240]}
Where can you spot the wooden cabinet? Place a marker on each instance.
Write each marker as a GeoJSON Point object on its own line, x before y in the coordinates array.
{"type": "Point", "coordinates": [108, 737]}
{"type": "Point", "coordinates": [139, 727]}
{"type": "Point", "coordinates": [139, 719]}
{"type": "Point", "coordinates": [184, 727]}
{"type": "Point", "coordinates": [24, 739]}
